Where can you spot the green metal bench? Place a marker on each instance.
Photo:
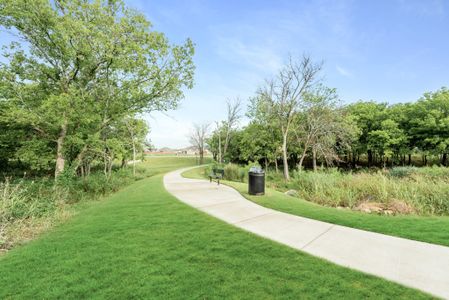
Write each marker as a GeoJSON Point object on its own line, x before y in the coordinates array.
{"type": "Point", "coordinates": [216, 174]}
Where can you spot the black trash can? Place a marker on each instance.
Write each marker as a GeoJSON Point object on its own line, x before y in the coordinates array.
{"type": "Point", "coordinates": [256, 181]}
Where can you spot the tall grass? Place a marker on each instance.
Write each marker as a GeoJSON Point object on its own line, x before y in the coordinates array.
{"type": "Point", "coordinates": [424, 190]}
{"type": "Point", "coordinates": [25, 201]}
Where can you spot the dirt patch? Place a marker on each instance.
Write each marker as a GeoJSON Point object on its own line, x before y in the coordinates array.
{"type": "Point", "coordinates": [370, 207]}
{"type": "Point", "coordinates": [401, 207]}
{"type": "Point", "coordinates": [396, 207]}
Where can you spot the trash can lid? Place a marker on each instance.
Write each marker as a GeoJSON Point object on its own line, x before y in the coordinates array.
{"type": "Point", "coordinates": [257, 170]}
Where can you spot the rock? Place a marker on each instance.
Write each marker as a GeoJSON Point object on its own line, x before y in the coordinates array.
{"type": "Point", "coordinates": [401, 207]}
{"type": "Point", "coordinates": [291, 193]}
{"type": "Point", "coordinates": [388, 212]}
{"type": "Point", "coordinates": [369, 207]}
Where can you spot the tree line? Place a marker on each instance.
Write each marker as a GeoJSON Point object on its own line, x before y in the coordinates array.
{"type": "Point", "coordinates": [296, 120]}
{"type": "Point", "coordinates": [76, 80]}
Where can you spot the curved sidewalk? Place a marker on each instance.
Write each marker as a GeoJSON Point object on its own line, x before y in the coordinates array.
{"type": "Point", "coordinates": [415, 264]}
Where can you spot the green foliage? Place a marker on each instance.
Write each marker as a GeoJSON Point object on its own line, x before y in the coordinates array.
{"type": "Point", "coordinates": [361, 133]}
{"type": "Point", "coordinates": [23, 200]}
{"type": "Point", "coordinates": [82, 71]}
{"type": "Point", "coordinates": [233, 172]}
{"type": "Point", "coordinates": [259, 142]}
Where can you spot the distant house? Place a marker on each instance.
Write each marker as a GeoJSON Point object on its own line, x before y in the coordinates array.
{"type": "Point", "coordinates": [188, 151]}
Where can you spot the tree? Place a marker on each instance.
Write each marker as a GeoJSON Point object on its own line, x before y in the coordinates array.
{"type": "Point", "coordinates": [368, 116]}
{"type": "Point", "coordinates": [233, 116]}
{"type": "Point", "coordinates": [317, 125]}
{"type": "Point", "coordinates": [136, 132]}
{"type": "Point", "coordinates": [257, 144]}
{"type": "Point", "coordinates": [198, 138]}
{"type": "Point", "coordinates": [430, 122]}
{"type": "Point", "coordinates": [387, 140]}
{"type": "Point", "coordinates": [86, 65]}
{"type": "Point", "coordinates": [284, 96]}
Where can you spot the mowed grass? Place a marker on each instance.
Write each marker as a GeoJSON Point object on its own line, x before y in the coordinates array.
{"type": "Point", "coordinates": [143, 243]}
{"type": "Point", "coordinates": [162, 164]}
{"type": "Point", "coordinates": [431, 229]}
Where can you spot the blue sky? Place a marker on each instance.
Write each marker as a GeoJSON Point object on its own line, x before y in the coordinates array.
{"type": "Point", "coordinates": [390, 51]}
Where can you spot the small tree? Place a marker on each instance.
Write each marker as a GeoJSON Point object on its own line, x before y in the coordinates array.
{"type": "Point", "coordinates": [233, 117]}
{"type": "Point", "coordinates": [136, 131]}
{"type": "Point", "coordinates": [284, 95]}
{"type": "Point", "coordinates": [319, 125]}
{"type": "Point", "coordinates": [198, 137]}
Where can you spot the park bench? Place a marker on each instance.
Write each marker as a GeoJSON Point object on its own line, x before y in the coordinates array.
{"type": "Point", "coordinates": [216, 174]}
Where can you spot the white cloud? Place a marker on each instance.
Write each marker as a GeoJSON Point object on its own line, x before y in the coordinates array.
{"type": "Point", "coordinates": [261, 57]}
{"type": "Point", "coordinates": [342, 71]}
{"type": "Point", "coordinates": [167, 131]}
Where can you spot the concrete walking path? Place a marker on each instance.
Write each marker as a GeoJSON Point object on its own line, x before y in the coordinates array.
{"type": "Point", "coordinates": [415, 264]}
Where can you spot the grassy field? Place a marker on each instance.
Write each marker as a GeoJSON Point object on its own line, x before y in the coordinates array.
{"type": "Point", "coordinates": [431, 229]}
{"type": "Point", "coordinates": [31, 206]}
{"type": "Point", "coordinates": [143, 243]}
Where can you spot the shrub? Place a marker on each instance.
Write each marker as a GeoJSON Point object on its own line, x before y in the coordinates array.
{"type": "Point", "coordinates": [401, 172]}
{"type": "Point", "coordinates": [232, 172]}
{"type": "Point", "coordinates": [24, 200]}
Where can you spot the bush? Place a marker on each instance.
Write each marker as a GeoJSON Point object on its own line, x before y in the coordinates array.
{"type": "Point", "coordinates": [401, 172]}
{"type": "Point", "coordinates": [24, 200]}
{"type": "Point", "coordinates": [232, 172]}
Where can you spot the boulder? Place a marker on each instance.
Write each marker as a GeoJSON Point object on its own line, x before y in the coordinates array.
{"type": "Point", "coordinates": [401, 207]}
{"type": "Point", "coordinates": [291, 193]}
{"type": "Point", "coordinates": [370, 207]}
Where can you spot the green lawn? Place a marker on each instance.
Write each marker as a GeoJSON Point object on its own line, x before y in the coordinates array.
{"type": "Point", "coordinates": [143, 243]}
{"type": "Point", "coordinates": [427, 229]}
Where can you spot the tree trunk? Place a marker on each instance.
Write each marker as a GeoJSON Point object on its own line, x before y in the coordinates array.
{"type": "Point", "coordinates": [276, 165]}
{"type": "Point", "coordinates": [444, 159]}
{"type": "Point", "coordinates": [266, 164]}
{"type": "Point", "coordinates": [353, 160]}
{"type": "Point", "coordinates": [409, 159]}
{"type": "Point", "coordinates": [225, 147]}
{"type": "Point", "coordinates": [284, 157]}
{"type": "Point", "coordinates": [301, 161]}
{"type": "Point", "coordinates": [220, 159]}
{"type": "Point", "coordinates": [370, 158]}
{"type": "Point", "coordinates": [60, 161]}
{"type": "Point", "coordinates": [303, 156]}
{"type": "Point", "coordinates": [201, 156]}
{"type": "Point", "coordinates": [314, 159]}
{"type": "Point", "coordinates": [134, 158]}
